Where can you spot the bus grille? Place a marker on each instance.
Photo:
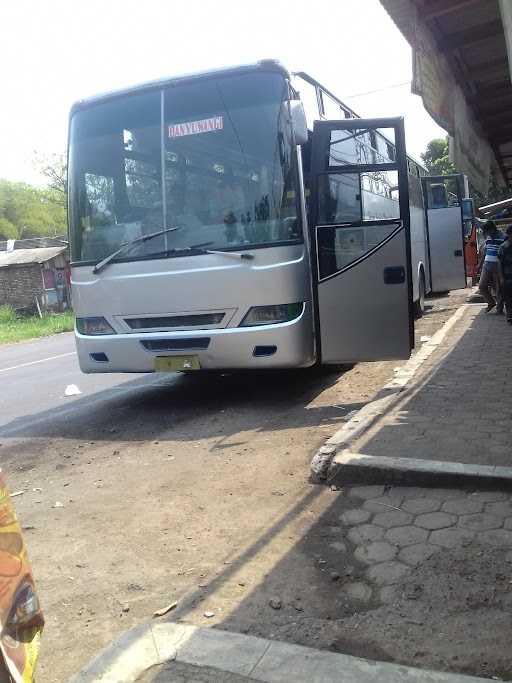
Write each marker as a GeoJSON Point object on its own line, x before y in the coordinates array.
{"type": "Point", "coordinates": [176, 344]}
{"type": "Point", "coordinates": [168, 321]}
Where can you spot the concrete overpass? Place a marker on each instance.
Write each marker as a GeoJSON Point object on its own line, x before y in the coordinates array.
{"type": "Point", "coordinates": [462, 57]}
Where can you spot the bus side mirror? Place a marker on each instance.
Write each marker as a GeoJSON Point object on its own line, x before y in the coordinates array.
{"type": "Point", "coordinates": [299, 123]}
{"type": "Point", "coordinates": [468, 209]}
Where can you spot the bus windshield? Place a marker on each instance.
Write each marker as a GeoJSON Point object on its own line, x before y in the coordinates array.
{"type": "Point", "coordinates": [212, 157]}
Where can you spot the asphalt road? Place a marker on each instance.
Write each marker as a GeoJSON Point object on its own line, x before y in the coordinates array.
{"type": "Point", "coordinates": [33, 380]}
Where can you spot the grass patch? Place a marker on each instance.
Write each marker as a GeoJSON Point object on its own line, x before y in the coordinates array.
{"type": "Point", "coordinates": [14, 328]}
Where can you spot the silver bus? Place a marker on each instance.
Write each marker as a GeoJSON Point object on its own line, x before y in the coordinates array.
{"type": "Point", "coordinates": [212, 228]}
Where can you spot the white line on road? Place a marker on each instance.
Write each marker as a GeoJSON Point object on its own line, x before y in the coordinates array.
{"type": "Point", "coordinates": [34, 362]}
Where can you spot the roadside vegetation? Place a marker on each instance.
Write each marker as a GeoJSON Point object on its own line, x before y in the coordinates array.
{"type": "Point", "coordinates": [14, 328]}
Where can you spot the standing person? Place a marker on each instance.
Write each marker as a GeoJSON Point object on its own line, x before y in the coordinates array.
{"type": "Point", "coordinates": [505, 272]}
{"type": "Point", "coordinates": [489, 267]}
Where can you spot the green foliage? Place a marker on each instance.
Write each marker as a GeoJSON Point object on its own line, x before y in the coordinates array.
{"type": "Point", "coordinates": [7, 314]}
{"type": "Point", "coordinates": [27, 211]}
{"type": "Point", "coordinates": [436, 158]}
{"type": "Point", "coordinates": [54, 168]}
{"type": "Point", "coordinates": [437, 162]}
{"type": "Point", "coordinates": [15, 328]}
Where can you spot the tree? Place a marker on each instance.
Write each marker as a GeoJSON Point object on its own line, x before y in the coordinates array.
{"type": "Point", "coordinates": [437, 162]}
{"type": "Point", "coordinates": [436, 158]}
{"type": "Point", "coordinates": [27, 211]}
{"type": "Point", "coordinates": [54, 168]}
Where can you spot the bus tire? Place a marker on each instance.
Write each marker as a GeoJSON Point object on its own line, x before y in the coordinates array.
{"type": "Point", "coordinates": [419, 304]}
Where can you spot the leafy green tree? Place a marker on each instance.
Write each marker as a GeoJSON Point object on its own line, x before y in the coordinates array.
{"type": "Point", "coordinates": [436, 158]}
{"type": "Point", "coordinates": [437, 162]}
{"type": "Point", "coordinates": [53, 167]}
{"type": "Point", "coordinates": [27, 211]}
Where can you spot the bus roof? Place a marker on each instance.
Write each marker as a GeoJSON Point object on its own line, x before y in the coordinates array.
{"type": "Point", "coordinates": [262, 65]}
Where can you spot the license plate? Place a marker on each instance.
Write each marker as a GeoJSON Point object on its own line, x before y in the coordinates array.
{"type": "Point", "coordinates": [176, 363]}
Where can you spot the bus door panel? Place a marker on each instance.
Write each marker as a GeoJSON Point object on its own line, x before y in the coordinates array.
{"type": "Point", "coordinates": [445, 230]}
{"type": "Point", "coordinates": [361, 237]}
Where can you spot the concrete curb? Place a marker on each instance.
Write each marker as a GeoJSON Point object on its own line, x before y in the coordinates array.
{"type": "Point", "coordinates": [384, 401]}
{"type": "Point", "coordinates": [358, 468]}
{"type": "Point", "coordinates": [263, 660]}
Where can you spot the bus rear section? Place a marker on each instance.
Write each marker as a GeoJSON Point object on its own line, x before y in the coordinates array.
{"type": "Point", "coordinates": [448, 228]}
{"type": "Point", "coordinates": [186, 228]}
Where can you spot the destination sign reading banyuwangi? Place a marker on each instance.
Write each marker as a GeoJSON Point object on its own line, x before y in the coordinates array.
{"type": "Point", "coordinates": [178, 130]}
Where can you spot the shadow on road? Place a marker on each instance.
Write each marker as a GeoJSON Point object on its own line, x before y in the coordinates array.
{"type": "Point", "coordinates": [155, 406]}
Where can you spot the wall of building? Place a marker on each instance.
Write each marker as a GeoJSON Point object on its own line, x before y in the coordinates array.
{"type": "Point", "coordinates": [19, 285]}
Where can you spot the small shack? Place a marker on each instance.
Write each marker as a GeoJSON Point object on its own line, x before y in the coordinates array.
{"type": "Point", "coordinates": [35, 279]}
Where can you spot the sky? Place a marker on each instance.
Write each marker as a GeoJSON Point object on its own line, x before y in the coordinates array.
{"type": "Point", "coordinates": [53, 52]}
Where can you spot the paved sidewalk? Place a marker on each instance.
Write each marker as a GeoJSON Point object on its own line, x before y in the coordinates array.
{"type": "Point", "coordinates": [461, 407]}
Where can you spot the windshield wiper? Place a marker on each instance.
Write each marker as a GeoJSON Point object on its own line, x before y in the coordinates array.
{"type": "Point", "coordinates": [144, 238]}
{"type": "Point", "coordinates": [235, 254]}
{"type": "Point", "coordinates": [200, 249]}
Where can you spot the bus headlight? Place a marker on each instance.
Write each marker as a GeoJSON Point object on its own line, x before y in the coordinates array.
{"type": "Point", "coordinates": [269, 315]}
{"type": "Point", "coordinates": [93, 326]}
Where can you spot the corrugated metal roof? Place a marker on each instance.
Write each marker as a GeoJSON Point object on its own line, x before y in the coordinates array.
{"type": "Point", "coordinates": [35, 243]}
{"type": "Point", "coordinates": [24, 257]}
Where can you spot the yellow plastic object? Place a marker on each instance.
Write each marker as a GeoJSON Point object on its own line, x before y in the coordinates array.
{"type": "Point", "coordinates": [21, 618]}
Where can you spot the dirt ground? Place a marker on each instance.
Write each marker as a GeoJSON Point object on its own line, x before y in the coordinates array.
{"type": "Point", "coordinates": [198, 487]}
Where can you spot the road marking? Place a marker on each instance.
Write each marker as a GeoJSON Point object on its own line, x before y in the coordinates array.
{"type": "Point", "coordinates": [42, 360]}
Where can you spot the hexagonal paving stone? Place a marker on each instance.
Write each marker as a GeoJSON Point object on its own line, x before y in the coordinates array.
{"type": "Point", "coordinates": [480, 521]}
{"type": "Point", "coordinates": [508, 523]}
{"type": "Point", "coordinates": [357, 590]}
{"type": "Point", "coordinates": [366, 492]}
{"type": "Point", "coordinates": [498, 537]}
{"type": "Point", "coordinates": [387, 594]}
{"type": "Point", "coordinates": [435, 520]}
{"type": "Point", "coordinates": [357, 516]}
{"type": "Point", "coordinates": [365, 533]}
{"type": "Point", "coordinates": [382, 503]}
{"type": "Point", "coordinates": [407, 492]}
{"type": "Point", "coordinates": [387, 573]}
{"type": "Point", "coordinates": [418, 506]}
{"type": "Point", "coordinates": [451, 538]}
{"type": "Point", "coordinates": [406, 535]}
{"type": "Point", "coordinates": [392, 518]}
{"type": "Point", "coordinates": [463, 506]}
{"type": "Point", "coordinates": [415, 554]}
{"type": "Point", "coordinates": [378, 551]}
{"type": "Point", "coordinates": [501, 508]}
{"type": "Point", "coordinates": [446, 494]}
{"type": "Point", "coordinates": [339, 546]}
{"type": "Point", "coordinates": [488, 496]}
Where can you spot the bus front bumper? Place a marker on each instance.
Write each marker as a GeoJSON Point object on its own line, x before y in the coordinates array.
{"type": "Point", "coordinates": [283, 345]}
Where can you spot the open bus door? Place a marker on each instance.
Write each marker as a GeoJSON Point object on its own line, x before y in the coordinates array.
{"type": "Point", "coordinates": [361, 240]}
{"type": "Point", "coordinates": [443, 198]}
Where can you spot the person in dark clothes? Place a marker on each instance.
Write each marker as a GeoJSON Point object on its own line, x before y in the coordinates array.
{"type": "Point", "coordinates": [505, 272]}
